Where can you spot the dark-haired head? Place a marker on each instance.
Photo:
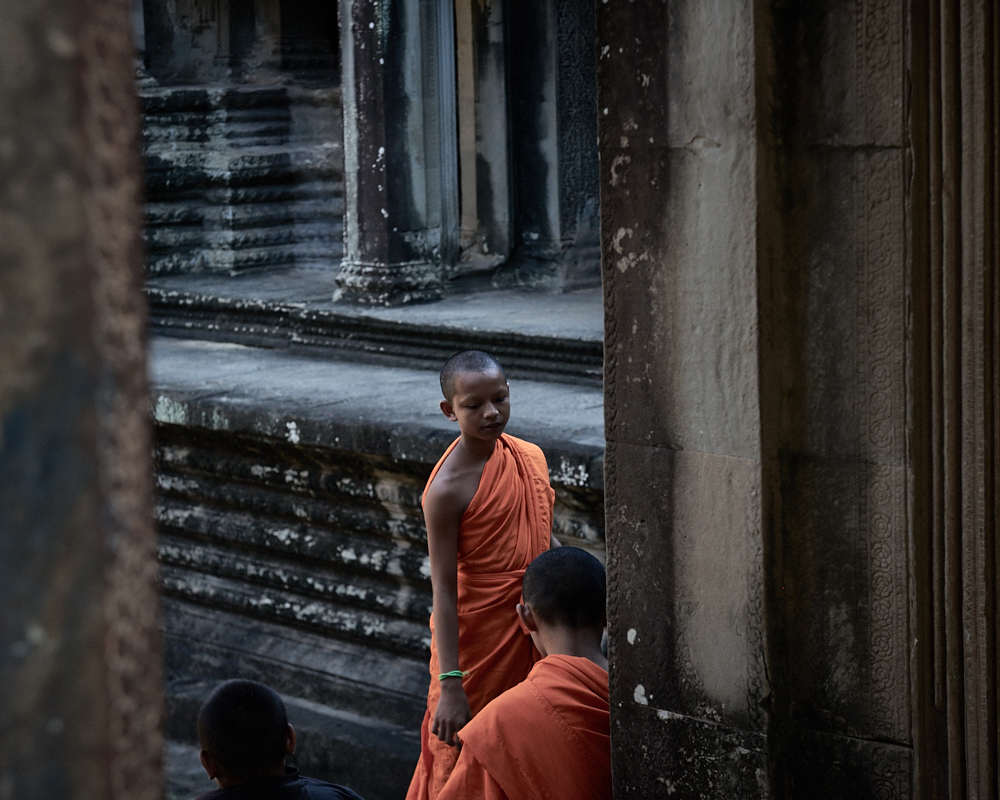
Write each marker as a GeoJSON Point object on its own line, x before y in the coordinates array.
{"type": "Point", "coordinates": [243, 725]}
{"type": "Point", "coordinates": [566, 586]}
{"type": "Point", "coordinates": [466, 361]}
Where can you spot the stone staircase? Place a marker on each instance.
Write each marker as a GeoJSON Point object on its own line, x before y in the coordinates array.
{"type": "Point", "coordinates": [289, 470]}
{"type": "Point", "coordinates": [242, 177]}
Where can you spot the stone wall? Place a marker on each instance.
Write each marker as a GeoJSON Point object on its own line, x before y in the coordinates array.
{"type": "Point", "coordinates": [242, 135]}
{"type": "Point", "coordinates": [241, 178]}
{"type": "Point", "coordinates": [784, 250]}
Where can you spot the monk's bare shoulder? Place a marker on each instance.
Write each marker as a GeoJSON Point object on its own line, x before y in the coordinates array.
{"type": "Point", "coordinates": [453, 487]}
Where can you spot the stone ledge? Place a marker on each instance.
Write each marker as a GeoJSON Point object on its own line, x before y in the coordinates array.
{"type": "Point", "coordinates": [535, 336]}
{"type": "Point", "coordinates": [379, 411]}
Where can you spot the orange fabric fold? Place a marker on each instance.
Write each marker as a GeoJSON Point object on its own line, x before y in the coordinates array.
{"type": "Point", "coordinates": [507, 524]}
{"type": "Point", "coordinates": [549, 737]}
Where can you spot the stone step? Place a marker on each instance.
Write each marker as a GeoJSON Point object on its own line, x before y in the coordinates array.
{"type": "Point", "coordinates": [210, 644]}
{"type": "Point", "coordinates": [171, 173]}
{"type": "Point", "coordinates": [181, 114]}
{"type": "Point", "coordinates": [234, 261]}
{"type": "Point", "coordinates": [538, 336]}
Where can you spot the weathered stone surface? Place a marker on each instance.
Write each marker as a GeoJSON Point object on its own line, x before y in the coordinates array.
{"type": "Point", "coordinates": [683, 274]}
{"type": "Point", "coordinates": [80, 704]}
{"type": "Point", "coordinates": [686, 560]}
{"type": "Point", "coordinates": [242, 178]}
{"type": "Point", "coordinates": [689, 757]}
{"type": "Point", "coordinates": [310, 403]}
{"type": "Point", "coordinates": [835, 299]}
{"type": "Point", "coordinates": [765, 357]}
{"type": "Point", "coordinates": [689, 640]}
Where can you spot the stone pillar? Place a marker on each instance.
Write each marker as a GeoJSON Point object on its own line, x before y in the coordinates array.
{"type": "Point", "coordinates": [684, 486]}
{"type": "Point", "coordinates": [80, 687]}
{"type": "Point", "coordinates": [397, 70]}
{"type": "Point", "coordinates": [956, 397]}
{"type": "Point", "coordinates": [799, 215]}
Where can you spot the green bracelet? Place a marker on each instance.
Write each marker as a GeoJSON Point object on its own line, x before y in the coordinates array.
{"type": "Point", "coordinates": [455, 673]}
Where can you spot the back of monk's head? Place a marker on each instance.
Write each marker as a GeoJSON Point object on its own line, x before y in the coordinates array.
{"type": "Point", "coordinates": [566, 586]}
{"type": "Point", "coordinates": [244, 726]}
{"type": "Point", "coordinates": [466, 361]}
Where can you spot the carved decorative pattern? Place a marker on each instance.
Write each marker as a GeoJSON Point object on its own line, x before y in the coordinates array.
{"type": "Point", "coordinates": [879, 205]}
{"type": "Point", "coordinates": [879, 61]}
{"type": "Point", "coordinates": [110, 126]}
{"type": "Point", "coordinates": [891, 775]}
{"type": "Point", "coordinates": [881, 331]}
{"type": "Point", "coordinates": [577, 101]}
{"type": "Point", "coordinates": [757, 683]}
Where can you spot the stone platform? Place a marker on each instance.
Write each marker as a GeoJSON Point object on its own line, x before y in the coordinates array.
{"type": "Point", "coordinates": [291, 540]}
{"type": "Point", "coordinates": [535, 335]}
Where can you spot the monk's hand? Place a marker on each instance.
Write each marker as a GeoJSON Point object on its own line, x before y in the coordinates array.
{"type": "Point", "coordinates": [452, 711]}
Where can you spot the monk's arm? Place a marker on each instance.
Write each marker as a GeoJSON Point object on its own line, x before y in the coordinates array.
{"type": "Point", "coordinates": [442, 513]}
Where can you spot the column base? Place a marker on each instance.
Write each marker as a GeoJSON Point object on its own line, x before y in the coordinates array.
{"type": "Point", "coordinates": [389, 284]}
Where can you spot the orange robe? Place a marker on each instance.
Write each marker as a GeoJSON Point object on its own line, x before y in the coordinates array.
{"type": "Point", "coordinates": [548, 737]}
{"type": "Point", "coordinates": [508, 523]}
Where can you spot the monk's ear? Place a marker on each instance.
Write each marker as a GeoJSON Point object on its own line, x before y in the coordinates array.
{"type": "Point", "coordinates": [448, 410]}
{"type": "Point", "coordinates": [290, 740]}
{"type": "Point", "coordinates": [526, 618]}
{"type": "Point", "coordinates": [210, 765]}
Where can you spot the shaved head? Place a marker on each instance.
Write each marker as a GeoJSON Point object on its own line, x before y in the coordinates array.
{"type": "Point", "coordinates": [243, 725]}
{"type": "Point", "coordinates": [566, 586]}
{"type": "Point", "coordinates": [466, 361]}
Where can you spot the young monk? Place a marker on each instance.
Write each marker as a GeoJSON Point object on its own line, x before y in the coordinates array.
{"type": "Point", "coordinates": [548, 737]}
{"type": "Point", "coordinates": [245, 737]}
{"type": "Point", "coordinates": [488, 509]}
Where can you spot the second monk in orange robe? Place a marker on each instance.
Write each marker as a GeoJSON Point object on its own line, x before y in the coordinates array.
{"type": "Point", "coordinates": [548, 738]}
{"type": "Point", "coordinates": [488, 508]}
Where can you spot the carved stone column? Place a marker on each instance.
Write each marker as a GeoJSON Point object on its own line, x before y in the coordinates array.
{"type": "Point", "coordinates": [80, 674]}
{"type": "Point", "coordinates": [956, 379]}
{"type": "Point", "coordinates": [397, 68]}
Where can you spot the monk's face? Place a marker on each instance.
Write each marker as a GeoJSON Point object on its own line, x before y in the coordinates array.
{"type": "Point", "coordinates": [480, 405]}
